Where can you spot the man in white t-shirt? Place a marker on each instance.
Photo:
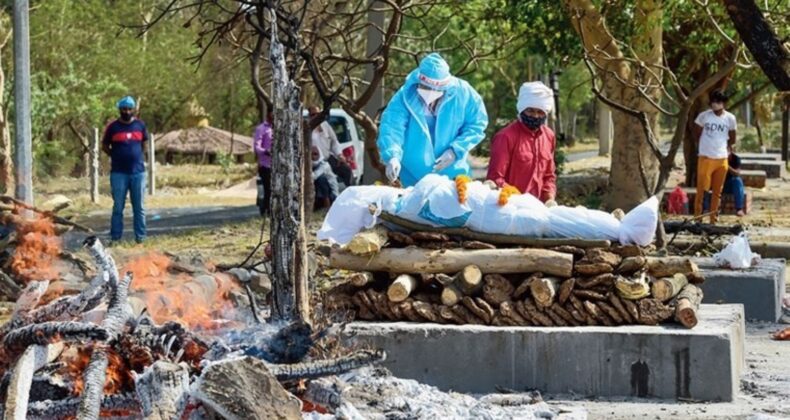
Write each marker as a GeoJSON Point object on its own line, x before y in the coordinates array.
{"type": "Point", "coordinates": [714, 130]}
{"type": "Point", "coordinates": [325, 139]}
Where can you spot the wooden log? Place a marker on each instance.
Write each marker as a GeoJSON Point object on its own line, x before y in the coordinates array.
{"type": "Point", "coordinates": [564, 314]}
{"type": "Point", "coordinates": [8, 287]}
{"type": "Point", "coordinates": [426, 311]}
{"type": "Point", "coordinates": [696, 277]}
{"type": "Point", "coordinates": [469, 280]}
{"type": "Point", "coordinates": [627, 251]}
{"type": "Point", "coordinates": [606, 279]}
{"type": "Point", "coordinates": [163, 390]}
{"type": "Point", "coordinates": [611, 311]}
{"type": "Point", "coordinates": [396, 311]}
{"type": "Point", "coordinates": [478, 311]}
{"type": "Point", "coordinates": [363, 311]}
{"type": "Point", "coordinates": [522, 310]}
{"type": "Point", "coordinates": [411, 260]}
{"type": "Point", "coordinates": [381, 303]}
{"type": "Point", "coordinates": [427, 297]}
{"type": "Point", "coordinates": [361, 279]}
{"type": "Point", "coordinates": [492, 237]}
{"type": "Point", "coordinates": [588, 295]}
{"type": "Point", "coordinates": [429, 237]}
{"type": "Point", "coordinates": [508, 309]}
{"type": "Point", "coordinates": [669, 266]}
{"type": "Point", "coordinates": [592, 269]}
{"type": "Point", "coordinates": [451, 295]}
{"type": "Point", "coordinates": [631, 265]}
{"type": "Point", "coordinates": [578, 253]}
{"type": "Point", "coordinates": [666, 288]}
{"type": "Point", "coordinates": [579, 317]}
{"type": "Point", "coordinates": [444, 279]}
{"type": "Point", "coordinates": [598, 255]}
{"type": "Point", "coordinates": [595, 311]}
{"type": "Point", "coordinates": [400, 238]}
{"type": "Point", "coordinates": [408, 311]}
{"type": "Point", "coordinates": [687, 305]}
{"type": "Point", "coordinates": [523, 288]}
{"type": "Point", "coordinates": [544, 290]}
{"type": "Point", "coordinates": [632, 308]}
{"type": "Point", "coordinates": [402, 287]}
{"type": "Point", "coordinates": [18, 391]}
{"type": "Point", "coordinates": [450, 316]}
{"type": "Point", "coordinates": [537, 316]}
{"type": "Point", "coordinates": [653, 312]}
{"type": "Point", "coordinates": [565, 290]}
{"type": "Point", "coordinates": [466, 315]}
{"type": "Point", "coordinates": [477, 245]}
{"type": "Point", "coordinates": [368, 241]}
{"type": "Point", "coordinates": [620, 307]}
{"type": "Point", "coordinates": [482, 304]}
{"type": "Point", "coordinates": [632, 289]}
{"type": "Point", "coordinates": [556, 319]}
{"type": "Point", "coordinates": [497, 289]}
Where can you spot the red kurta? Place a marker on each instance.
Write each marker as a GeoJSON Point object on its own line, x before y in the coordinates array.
{"type": "Point", "coordinates": [524, 159]}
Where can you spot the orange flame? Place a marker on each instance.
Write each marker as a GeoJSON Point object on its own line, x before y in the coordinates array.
{"type": "Point", "coordinates": [37, 248]}
{"type": "Point", "coordinates": [118, 375]}
{"type": "Point", "coordinates": [193, 301]}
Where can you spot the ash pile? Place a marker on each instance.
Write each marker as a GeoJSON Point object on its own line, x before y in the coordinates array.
{"type": "Point", "coordinates": [101, 353]}
{"type": "Point", "coordinates": [398, 273]}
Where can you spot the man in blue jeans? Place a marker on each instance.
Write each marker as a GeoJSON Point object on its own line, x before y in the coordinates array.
{"type": "Point", "coordinates": [733, 184]}
{"type": "Point", "coordinates": [124, 141]}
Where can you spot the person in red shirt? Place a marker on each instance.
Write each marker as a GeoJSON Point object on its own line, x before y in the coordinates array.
{"type": "Point", "coordinates": [522, 154]}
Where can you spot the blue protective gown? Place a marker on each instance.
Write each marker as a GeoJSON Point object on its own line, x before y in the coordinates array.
{"type": "Point", "coordinates": [461, 120]}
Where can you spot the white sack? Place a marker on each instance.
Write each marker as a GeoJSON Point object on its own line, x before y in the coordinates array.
{"type": "Point", "coordinates": [349, 213]}
{"type": "Point", "coordinates": [737, 253]}
{"type": "Point", "coordinates": [639, 225]}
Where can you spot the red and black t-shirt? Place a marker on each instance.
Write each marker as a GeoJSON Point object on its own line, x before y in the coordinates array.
{"type": "Point", "coordinates": [126, 145]}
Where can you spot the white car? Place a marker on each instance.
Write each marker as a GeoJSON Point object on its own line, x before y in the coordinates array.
{"type": "Point", "coordinates": [349, 138]}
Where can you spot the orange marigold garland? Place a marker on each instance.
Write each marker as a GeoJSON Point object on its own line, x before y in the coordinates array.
{"type": "Point", "coordinates": [461, 187]}
{"type": "Point", "coordinates": [505, 193]}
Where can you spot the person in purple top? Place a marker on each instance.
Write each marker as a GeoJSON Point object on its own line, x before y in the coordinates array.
{"type": "Point", "coordinates": [124, 141]}
{"type": "Point", "coordinates": [263, 149]}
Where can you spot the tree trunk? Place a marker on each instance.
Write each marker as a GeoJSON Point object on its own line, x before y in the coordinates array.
{"type": "Point", "coordinates": [289, 251]}
{"type": "Point", "coordinates": [629, 146]}
{"type": "Point", "coordinates": [761, 40]}
{"type": "Point", "coordinates": [411, 260]}
{"type": "Point", "coordinates": [6, 165]}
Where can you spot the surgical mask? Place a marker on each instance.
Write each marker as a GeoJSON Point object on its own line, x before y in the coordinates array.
{"type": "Point", "coordinates": [716, 106]}
{"type": "Point", "coordinates": [532, 122]}
{"type": "Point", "coordinates": [429, 96]}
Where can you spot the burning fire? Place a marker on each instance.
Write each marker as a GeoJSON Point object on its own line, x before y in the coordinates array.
{"type": "Point", "coordinates": [196, 301]}
{"type": "Point", "coordinates": [118, 374]}
{"type": "Point", "coordinates": [37, 249]}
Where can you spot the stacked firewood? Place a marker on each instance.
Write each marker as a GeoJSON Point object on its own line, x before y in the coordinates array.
{"type": "Point", "coordinates": [435, 277]}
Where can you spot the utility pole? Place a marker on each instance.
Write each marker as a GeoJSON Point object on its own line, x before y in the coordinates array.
{"type": "Point", "coordinates": [23, 153]}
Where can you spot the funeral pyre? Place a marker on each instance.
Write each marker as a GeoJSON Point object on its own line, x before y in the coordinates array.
{"type": "Point", "coordinates": [418, 273]}
{"type": "Point", "coordinates": [149, 343]}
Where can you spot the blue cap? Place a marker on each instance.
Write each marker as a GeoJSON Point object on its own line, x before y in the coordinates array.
{"type": "Point", "coordinates": [126, 102]}
{"type": "Point", "coordinates": [434, 72]}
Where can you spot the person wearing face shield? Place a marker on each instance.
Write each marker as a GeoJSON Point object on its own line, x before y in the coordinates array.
{"type": "Point", "coordinates": [124, 141]}
{"type": "Point", "coordinates": [431, 124]}
{"type": "Point", "coordinates": [522, 154]}
{"type": "Point", "coordinates": [714, 130]}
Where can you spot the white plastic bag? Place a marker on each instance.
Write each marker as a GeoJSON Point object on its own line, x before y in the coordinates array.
{"type": "Point", "coordinates": [639, 225]}
{"type": "Point", "coordinates": [737, 253]}
{"type": "Point", "coordinates": [349, 213]}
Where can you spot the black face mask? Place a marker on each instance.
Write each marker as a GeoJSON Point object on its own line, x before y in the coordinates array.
{"type": "Point", "coordinates": [126, 116]}
{"type": "Point", "coordinates": [532, 122]}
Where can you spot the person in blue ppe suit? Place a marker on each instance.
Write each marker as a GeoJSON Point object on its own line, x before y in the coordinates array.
{"type": "Point", "coordinates": [431, 124]}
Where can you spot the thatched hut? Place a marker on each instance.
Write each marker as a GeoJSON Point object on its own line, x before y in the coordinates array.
{"type": "Point", "coordinates": [202, 142]}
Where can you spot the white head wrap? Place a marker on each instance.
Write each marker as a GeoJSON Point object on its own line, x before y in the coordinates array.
{"type": "Point", "coordinates": [535, 95]}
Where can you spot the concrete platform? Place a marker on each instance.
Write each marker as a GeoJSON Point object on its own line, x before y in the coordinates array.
{"type": "Point", "coordinates": [760, 289]}
{"type": "Point", "coordinates": [754, 179]}
{"type": "Point", "coordinates": [760, 156]}
{"type": "Point", "coordinates": [667, 362]}
{"type": "Point", "coordinates": [773, 168]}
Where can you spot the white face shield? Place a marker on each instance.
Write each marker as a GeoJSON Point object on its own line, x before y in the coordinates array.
{"type": "Point", "coordinates": [428, 95]}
